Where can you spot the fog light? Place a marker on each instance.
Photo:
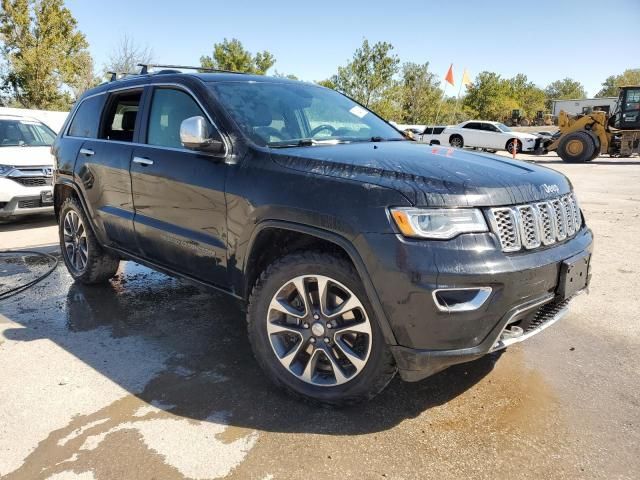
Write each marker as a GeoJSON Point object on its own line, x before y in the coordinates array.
{"type": "Point", "coordinates": [461, 299]}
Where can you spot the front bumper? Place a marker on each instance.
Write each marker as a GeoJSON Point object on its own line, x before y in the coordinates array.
{"type": "Point", "coordinates": [405, 274]}
{"type": "Point", "coordinates": [17, 198]}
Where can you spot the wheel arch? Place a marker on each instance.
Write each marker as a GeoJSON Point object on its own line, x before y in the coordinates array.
{"type": "Point", "coordinates": [290, 237]}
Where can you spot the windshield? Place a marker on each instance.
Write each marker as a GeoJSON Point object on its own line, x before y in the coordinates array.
{"type": "Point", "coordinates": [503, 127]}
{"type": "Point", "coordinates": [287, 114]}
{"type": "Point", "coordinates": [25, 133]}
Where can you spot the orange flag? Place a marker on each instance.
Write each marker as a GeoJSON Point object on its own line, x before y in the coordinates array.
{"type": "Point", "coordinates": [449, 77]}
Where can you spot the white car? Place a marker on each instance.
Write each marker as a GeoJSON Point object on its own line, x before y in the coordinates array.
{"type": "Point", "coordinates": [481, 134]}
{"type": "Point", "coordinates": [26, 166]}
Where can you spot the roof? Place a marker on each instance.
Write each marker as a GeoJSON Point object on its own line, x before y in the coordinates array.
{"type": "Point", "coordinates": [9, 116]}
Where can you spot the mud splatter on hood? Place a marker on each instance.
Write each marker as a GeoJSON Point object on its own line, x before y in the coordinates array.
{"type": "Point", "coordinates": [430, 175]}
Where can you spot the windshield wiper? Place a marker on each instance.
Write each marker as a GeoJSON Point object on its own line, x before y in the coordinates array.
{"type": "Point", "coordinates": [304, 142]}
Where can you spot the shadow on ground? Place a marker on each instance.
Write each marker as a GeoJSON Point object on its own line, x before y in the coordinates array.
{"type": "Point", "coordinates": [206, 363]}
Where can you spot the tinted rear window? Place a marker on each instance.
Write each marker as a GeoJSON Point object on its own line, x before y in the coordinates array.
{"type": "Point", "coordinates": [87, 118]}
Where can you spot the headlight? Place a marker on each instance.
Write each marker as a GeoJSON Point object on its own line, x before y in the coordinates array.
{"type": "Point", "coordinates": [529, 139]}
{"type": "Point", "coordinates": [438, 223]}
{"type": "Point", "coordinates": [4, 169]}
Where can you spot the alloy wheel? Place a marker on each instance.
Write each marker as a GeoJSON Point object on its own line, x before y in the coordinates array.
{"type": "Point", "coordinates": [75, 241]}
{"type": "Point", "coordinates": [319, 330]}
{"type": "Point", "coordinates": [456, 142]}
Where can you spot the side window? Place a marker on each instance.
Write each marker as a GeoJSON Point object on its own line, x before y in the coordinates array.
{"type": "Point", "coordinates": [472, 125]}
{"type": "Point", "coordinates": [87, 118]}
{"type": "Point", "coordinates": [120, 116]}
{"type": "Point", "coordinates": [169, 108]}
{"type": "Point", "coordinates": [489, 128]}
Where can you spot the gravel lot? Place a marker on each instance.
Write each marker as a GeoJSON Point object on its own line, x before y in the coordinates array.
{"type": "Point", "coordinates": [149, 377]}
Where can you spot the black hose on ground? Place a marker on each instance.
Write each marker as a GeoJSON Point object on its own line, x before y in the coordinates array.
{"type": "Point", "coordinates": [21, 288]}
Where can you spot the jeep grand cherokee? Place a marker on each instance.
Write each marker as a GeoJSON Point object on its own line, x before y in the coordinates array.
{"type": "Point", "coordinates": [357, 252]}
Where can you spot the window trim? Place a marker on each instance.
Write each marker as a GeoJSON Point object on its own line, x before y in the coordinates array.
{"type": "Point", "coordinates": [111, 97]}
{"type": "Point", "coordinates": [176, 86]}
{"type": "Point", "coordinates": [225, 141]}
{"type": "Point", "coordinates": [144, 135]}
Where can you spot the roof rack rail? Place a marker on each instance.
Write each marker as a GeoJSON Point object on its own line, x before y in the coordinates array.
{"type": "Point", "coordinates": [114, 76]}
{"type": "Point", "coordinates": [147, 66]}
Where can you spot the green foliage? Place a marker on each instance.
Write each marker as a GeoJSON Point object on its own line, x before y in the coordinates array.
{"type": "Point", "coordinates": [46, 55]}
{"type": "Point", "coordinates": [231, 55]}
{"type": "Point", "coordinates": [290, 76]}
{"type": "Point", "coordinates": [566, 89]}
{"type": "Point", "coordinates": [612, 83]}
{"type": "Point", "coordinates": [529, 98]}
{"type": "Point", "coordinates": [490, 97]}
{"type": "Point", "coordinates": [420, 94]}
{"type": "Point", "coordinates": [369, 78]}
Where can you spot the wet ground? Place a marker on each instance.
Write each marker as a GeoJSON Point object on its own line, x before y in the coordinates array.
{"type": "Point", "coordinates": [149, 377]}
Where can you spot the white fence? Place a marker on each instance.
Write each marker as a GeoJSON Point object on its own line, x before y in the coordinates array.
{"type": "Point", "coordinates": [53, 120]}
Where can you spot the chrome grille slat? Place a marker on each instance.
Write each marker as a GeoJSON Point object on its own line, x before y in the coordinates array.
{"type": "Point", "coordinates": [532, 225]}
{"type": "Point", "coordinates": [529, 228]}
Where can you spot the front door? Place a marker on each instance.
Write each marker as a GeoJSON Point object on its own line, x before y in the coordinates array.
{"type": "Point", "coordinates": [178, 194]}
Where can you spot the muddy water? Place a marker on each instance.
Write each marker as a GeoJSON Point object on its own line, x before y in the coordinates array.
{"type": "Point", "coordinates": [149, 377]}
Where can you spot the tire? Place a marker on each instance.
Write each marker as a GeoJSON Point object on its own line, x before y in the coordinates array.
{"type": "Point", "coordinates": [509, 146]}
{"type": "Point", "coordinates": [286, 355]}
{"type": "Point", "coordinates": [576, 147]}
{"type": "Point", "coordinates": [456, 141]}
{"type": "Point", "coordinates": [85, 259]}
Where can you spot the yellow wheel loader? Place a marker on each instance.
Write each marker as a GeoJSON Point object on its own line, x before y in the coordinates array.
{"type": "Point", "coordinates": [583, 137]}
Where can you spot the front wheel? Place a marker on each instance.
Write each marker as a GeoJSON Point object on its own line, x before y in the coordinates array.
{"type": "Point", "coordinates": [514, 144]}
{"type": "Point", "coordinates": [314, 332]}
{"type": "Point", "coordinates": [86, 260]}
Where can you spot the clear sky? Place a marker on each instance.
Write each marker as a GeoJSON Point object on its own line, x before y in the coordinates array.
{"type": "Point", "coordinates": [547, 40]}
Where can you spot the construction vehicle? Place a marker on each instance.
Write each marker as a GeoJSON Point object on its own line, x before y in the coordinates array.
{"type": "Point", "coordinates": [543, 119]}
{"type": "Point", "coordinates": [583, 137]}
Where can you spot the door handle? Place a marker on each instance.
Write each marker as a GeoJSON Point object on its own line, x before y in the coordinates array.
{"type": "Point", "coordinates": [142, 161]}
{"type": "Point", "coordinates": [87, 152]}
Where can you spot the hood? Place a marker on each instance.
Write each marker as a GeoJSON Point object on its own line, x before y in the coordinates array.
{"type": "Point", "coordinates": [523, 135]}
{"type": "Point", "coordinates": [26, 156]}
{"type": "Point", "coordinates": [430, 175]}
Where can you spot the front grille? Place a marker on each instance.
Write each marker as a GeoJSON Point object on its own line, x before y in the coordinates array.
{"type": "Point", "coordinates": [544, 314]}
{"type": "Point", "coordinates": [32, 181]}
{"type": "Point", "coordinates": [30, 203]}
{"type": "Point", "coordinates": [531, 225]}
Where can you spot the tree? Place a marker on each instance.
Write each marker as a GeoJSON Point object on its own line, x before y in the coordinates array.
{"type": "Point", "coordinates": [369, 78]}
{"type": "Point", "coordinates": [529, 98]}
{"type": "Point", "coordinates": [566, 89]}
{"type": "Point", "coordinates": [126, 55]}
{"type": "Point", "coordinates": [490, 97]}
{"type": "Point", "coordinates": [290, 76]}
{"type": "Point", "coordinates": [231, 55]}
{"type": "Point", "coordinates": [420, 93]}
{"type": "Point", "coordinates": [611, 85]}
{"type": "Point", "coordinates": [46, 54]}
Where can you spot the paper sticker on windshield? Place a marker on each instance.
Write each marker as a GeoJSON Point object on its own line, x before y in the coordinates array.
{"type": "Point", "coordinates": [358, 111]}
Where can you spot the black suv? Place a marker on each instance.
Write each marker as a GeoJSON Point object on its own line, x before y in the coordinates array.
{"type": "Point", "coordinates": [358, 252]}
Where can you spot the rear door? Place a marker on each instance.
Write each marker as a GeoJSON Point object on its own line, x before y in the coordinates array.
{"type": "Point", "coordinates": [178, 194]}
{"type": "Point", "coordinates": [102, 168]}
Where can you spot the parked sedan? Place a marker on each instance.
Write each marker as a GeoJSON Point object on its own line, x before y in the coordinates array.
{"type": "Point", "coordinates": [482, 134]}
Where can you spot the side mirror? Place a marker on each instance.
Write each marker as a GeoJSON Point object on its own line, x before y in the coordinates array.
{"type": "Point", "coordinates": [196, 134]}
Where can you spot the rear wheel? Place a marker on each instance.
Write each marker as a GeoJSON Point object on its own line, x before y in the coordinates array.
{"type": "Point", "coordinates": [577, 147]}
{"type": "Point", "coordinates": [85, 259]}
{"type": "Point", "coordinates": [456, 141]}
{"type": "Point", "coordinates": [314, 333]}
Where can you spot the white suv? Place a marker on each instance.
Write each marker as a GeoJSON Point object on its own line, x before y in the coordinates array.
{"type": "Point", "coordinates": [26, 166]}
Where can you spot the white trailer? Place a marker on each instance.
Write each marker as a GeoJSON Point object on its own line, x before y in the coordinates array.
{"type": "Point", "coordinates": [576, 107]}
